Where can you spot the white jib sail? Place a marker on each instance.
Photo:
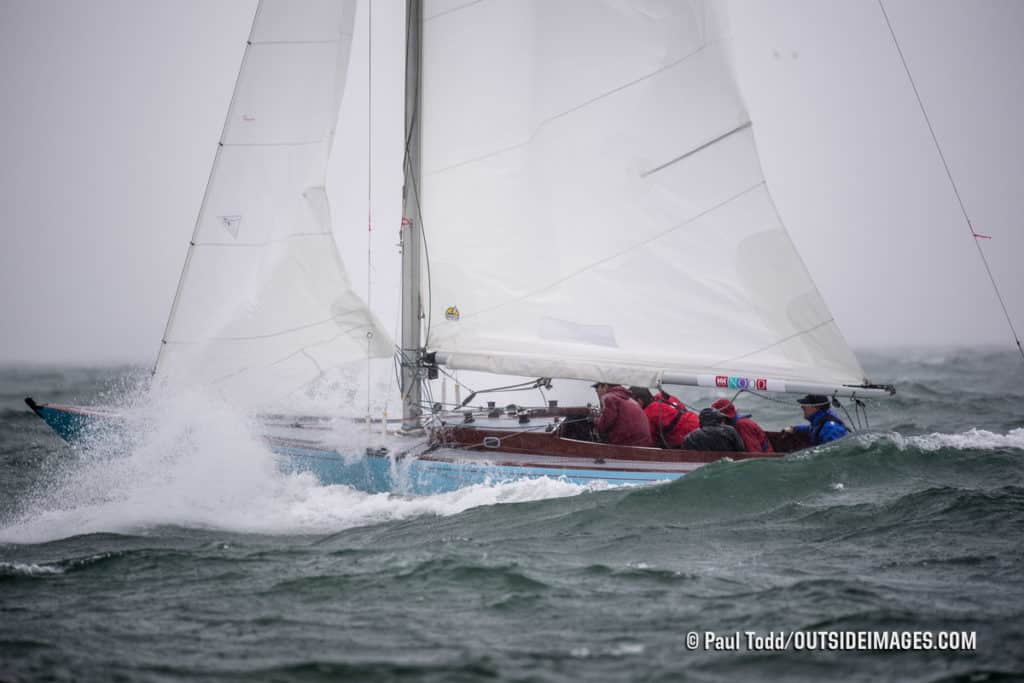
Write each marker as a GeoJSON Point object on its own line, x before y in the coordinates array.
{"type": "Point", "coordinates": [264, 306]}
{"type": "Point", "coordinates": [594, 205]}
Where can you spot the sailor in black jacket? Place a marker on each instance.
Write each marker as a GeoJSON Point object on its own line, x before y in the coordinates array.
{"type": "Point", "coordinates": [714, 434]}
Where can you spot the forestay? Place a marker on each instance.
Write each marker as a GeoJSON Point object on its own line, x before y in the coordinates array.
{"type": "Point", "coordinates": [594, 205]}
{"type": "Point", "coordinates": [264, 305]}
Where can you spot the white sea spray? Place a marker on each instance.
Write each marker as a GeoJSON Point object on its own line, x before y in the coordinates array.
{"type": "Point", "coordinates": [189, 460]}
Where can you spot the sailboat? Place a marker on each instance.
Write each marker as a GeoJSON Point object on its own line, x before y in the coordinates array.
{"type": "Point", "coordinates": [583, 201]}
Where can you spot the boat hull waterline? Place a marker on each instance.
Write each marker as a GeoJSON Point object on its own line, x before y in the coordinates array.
{"type": "Point", "coordinates": [454, 458]}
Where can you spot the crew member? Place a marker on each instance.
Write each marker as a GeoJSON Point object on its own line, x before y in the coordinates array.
{"type": "Point", "coordinates": [622, 420]}
{"type": "Point", "coordinates": [713, 435]}
{"type": "Point", "coordinates": [668, 417]}
{"type": "Point", "coordinates": [824, 425]}
{"type": "Point", "coordinates": [754, 438]}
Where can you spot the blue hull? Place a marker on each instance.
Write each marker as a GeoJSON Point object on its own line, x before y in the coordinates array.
{"type": "Point", "coordinates": [376, 473]}
{"type": "Point", "coordinates": [70, 425]}
{"type": "Point", "coordinates": [424, 476]}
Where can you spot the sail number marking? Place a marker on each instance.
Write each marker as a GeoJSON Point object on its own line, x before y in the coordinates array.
{"type": "Point", "coordinates": [734, 382]}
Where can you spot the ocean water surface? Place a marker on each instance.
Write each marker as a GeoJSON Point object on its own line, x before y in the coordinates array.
{"type": "Point", "coordinates": [186, 555]}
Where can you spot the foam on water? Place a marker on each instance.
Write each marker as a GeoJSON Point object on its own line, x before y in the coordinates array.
{"type": "Point", "coordinates": [16, 569]}
{"type": "Point", "coordinates": [186, 460]}
{"type": "Point", "coordinates": [979, 439]}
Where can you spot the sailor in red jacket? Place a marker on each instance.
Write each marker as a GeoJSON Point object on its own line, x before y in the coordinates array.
{"type": "Point", "coordinates": [753, 436]}
{"type": "Point", "coordinates": [622, 421]}
{"type": "Point", "coordinates": [669, 419]}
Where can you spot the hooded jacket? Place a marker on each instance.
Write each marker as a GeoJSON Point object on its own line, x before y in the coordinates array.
{"type": "Point", "coordinates": [670, 420]}
{"type": "Point", "coordinates": [622, 420]}
{"type": "Point", "coordinates": [714, 434]}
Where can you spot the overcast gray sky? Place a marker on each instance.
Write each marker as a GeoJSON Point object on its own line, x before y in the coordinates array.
{"type": "Point", "coordinates": [112, 111]}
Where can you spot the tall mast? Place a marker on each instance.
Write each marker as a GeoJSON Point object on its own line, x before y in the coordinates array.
{"type": "Point", "coordinates": [410, 232]}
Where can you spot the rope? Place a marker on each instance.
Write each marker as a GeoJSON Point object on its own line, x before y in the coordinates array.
{"type": "Point", "coordinates": [975, 235]}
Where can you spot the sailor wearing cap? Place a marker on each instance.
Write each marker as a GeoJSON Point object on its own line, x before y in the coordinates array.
{"type": "Point", "coordinates": [824, 425]}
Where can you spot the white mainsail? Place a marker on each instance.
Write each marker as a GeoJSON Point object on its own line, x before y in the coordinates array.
{"type": "Point", "coordinates": [594, 206]}
{"type": "Point", "coordinates": [264, 306]}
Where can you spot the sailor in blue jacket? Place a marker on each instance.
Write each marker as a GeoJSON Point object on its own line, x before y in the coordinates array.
{"type": "Point", "coordinates": [824, 425]}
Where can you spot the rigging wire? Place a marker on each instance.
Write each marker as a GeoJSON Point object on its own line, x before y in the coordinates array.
{"type": "Point", "coordinates": [974, 235]}
{"type": "Point", "coordinates": [369, 195]}
{"type": "Point", "coordinates": [853, 424]}
{"type": "Point", "coordinates": [539, 384]}
{"type": "Point", "coordinates": [859, 420]}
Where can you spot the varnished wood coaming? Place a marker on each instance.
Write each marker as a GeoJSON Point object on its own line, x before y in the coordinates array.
{"type": "Point", "coordinates": [552, 443]}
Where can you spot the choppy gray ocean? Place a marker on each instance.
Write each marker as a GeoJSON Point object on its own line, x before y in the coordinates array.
{"type": "Point", "coordinates": [190, 557]}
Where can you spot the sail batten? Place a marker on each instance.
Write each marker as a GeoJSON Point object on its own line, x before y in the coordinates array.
{"type": "Point", "coordinates": [695, 150]}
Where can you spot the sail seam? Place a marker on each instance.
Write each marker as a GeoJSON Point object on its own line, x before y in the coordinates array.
{"type": "Point", "coordinates": [773, 344]}
{"type": "Point", "coordinates": [301, 351]}
{"type": "Point", "coordinates": [536, 131]}
{"type": "Point", "coordinates": [304, 350]}
{"type": "Point", "coordinates": [260, 244]}
{"type": "Point", "coordinates": [693, 151]}
{"type": "Point", "coordinates": [453, 9]}
{"type": "Point", "coordinates": [264, 336]}
{"type": "Point", "coordinates": [618, 254]}
{"type": "Point", "coordinates": [273, 144]}
{"type": "Point", "coordinates": [297, 42]}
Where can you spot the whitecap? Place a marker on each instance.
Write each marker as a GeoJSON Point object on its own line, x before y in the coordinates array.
{"type": "Point", "coordinates": [977, 439]}
{"type": "Point", "coordinates": [16, 569]}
